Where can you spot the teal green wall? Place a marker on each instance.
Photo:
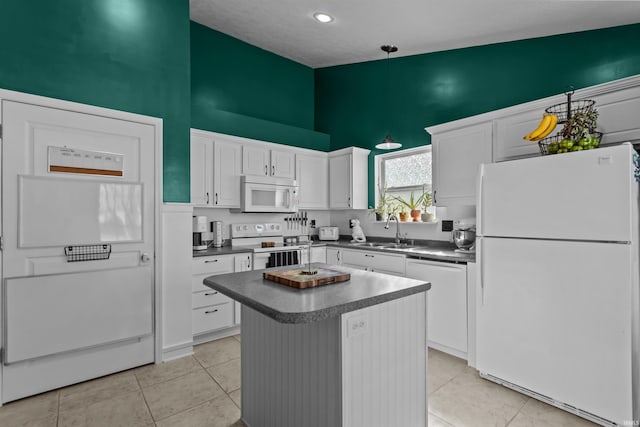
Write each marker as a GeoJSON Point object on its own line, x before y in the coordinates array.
{"type": "Point", "coordinates": [434, 88]}
{"type": "Point", "coordinates": [121, 54]}
{"type": "Point", "coordinates": [239, 89]}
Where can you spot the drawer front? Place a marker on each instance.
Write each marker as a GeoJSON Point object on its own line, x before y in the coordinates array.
{"type": "Point", "coordinates": [375, 261]}
{"type": "Point", "coordinates": [385, 263]}
{"type": "Point", "coordinates": [214, 317]}
{"type": "Point", "coordinates": [207, 298]}
{"type": "Point", "coordinates": [196, 282]}
{"type": "Point", "coordinates": [212, 265]}
{"type": "Point", "coordinates": [358, 258]}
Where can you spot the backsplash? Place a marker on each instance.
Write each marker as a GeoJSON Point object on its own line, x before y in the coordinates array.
{"type": "Point", "coordinates": [341, 219]}
{"type": "Point", "coordinates": [420, 231]}
{"type": "Point", "coordinates": [227, 217]}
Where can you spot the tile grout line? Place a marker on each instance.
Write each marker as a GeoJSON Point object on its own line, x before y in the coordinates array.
{"type": "Point", "coordinates": [519, 411]}
{"type": "Point", "coordinates": [58, 411]}
{"type": "Point", "coordinates": [144, 397]}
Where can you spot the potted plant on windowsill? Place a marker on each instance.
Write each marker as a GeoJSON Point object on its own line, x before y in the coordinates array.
{"type": "Point", "coordinates": [427, 202]}
{"type": "Point", "coordinates": [382, 208]}
{"type": "Point", "coordinates": [413, 204]}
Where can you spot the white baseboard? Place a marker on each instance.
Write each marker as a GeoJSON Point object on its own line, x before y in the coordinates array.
{"type": "Point", "coordinates": [223, 333]}
{"type": "Point", "coordinates": [177, 351]}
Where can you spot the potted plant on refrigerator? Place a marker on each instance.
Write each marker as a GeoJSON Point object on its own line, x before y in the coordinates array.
{"type": "Point", "coordinates": [413, 204]}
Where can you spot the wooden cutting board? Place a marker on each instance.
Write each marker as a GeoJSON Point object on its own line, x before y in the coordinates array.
{"type": "Point", "coordinates": [296, 279]}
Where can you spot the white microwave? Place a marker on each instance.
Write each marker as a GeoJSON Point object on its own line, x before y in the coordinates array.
{"type": "Point", "coordinates": [266, 194]}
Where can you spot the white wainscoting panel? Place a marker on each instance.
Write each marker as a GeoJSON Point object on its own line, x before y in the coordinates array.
{"type": "Point", "coordinates": [175, 262]}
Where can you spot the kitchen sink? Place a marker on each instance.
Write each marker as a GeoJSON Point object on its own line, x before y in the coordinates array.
{"type": "Point", "coordinates": [370, 244]}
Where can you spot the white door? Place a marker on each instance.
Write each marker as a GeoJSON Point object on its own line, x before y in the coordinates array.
{"type": "Point", "coordinates": [70, 180]}
{"type": "Point", "coordinates": [226, 174]}
{"type": "Point", "coordinates": [313, 180]}
{"type": "Point", "coordinates": [255, 160]}
{"type": "Point", "coordinates": [446, 305]}
{"type": "Point", "coordinates": [456, 157]}
{"type": "Point", "coordinates": [340, 182]}
{"type": "Point", "coordinates": [555, 317]}
{"type": "Point", "coordinates": [201, 171]}
{"type": "Point", "coordinates": [283, 164]}
{"type": "Point", "coordinates": [585, 195]}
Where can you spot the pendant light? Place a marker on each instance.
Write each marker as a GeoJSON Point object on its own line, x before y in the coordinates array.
{"type": "Point", "coordinates": [388, 143]}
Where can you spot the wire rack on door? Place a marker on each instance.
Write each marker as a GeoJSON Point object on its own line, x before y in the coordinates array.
{"type": "Point", "coordinates": [75, 253]}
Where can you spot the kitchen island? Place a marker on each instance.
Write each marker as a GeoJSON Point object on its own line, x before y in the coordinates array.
{"type": "Point", "coordinates": [346, 354]}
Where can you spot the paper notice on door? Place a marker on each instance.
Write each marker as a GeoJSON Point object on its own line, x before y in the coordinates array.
{"type": "Point", "coordinates": [72, 160]}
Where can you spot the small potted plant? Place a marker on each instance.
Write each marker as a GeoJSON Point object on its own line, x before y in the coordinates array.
{"type": "Point", "coordinates": [413, 204]}
{"type": "Point", "coordinates": [396, 210]}
{"type": "Point", "coordinates": [427, 202]}
{"type": "Point", "coordinates": [382, 208]}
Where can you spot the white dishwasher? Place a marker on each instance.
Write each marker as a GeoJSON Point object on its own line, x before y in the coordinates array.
{"type": "Point", "coordinates": [446, 303]}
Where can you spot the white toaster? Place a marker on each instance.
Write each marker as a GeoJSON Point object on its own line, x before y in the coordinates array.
{"type": "Point", "coordinates": [328, 233]}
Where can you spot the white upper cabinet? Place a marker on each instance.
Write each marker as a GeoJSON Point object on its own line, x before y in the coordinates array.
{"type": "Point", "coordinates": [312, 175]}
{"type": "Point", "coordinates": [509, 142]}
{"type": "Point", "coordinates": [201, 171]}
{"type": "Point", "coordinates": [348, 178]}
{"type": "Point", "coordinates": [258, 160]}
{"type": "Point", "coordinates": [215, 170]}
{"type": "Point", "coordinates": [227, 163]}
{"type": "Point", "coordinates": [457, 154]}
{"type": "Point", "coordinates": [255, 160]}
{"type": "Point", "coordinates": [619, 113]}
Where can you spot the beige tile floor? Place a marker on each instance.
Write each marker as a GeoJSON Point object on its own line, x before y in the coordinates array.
{"type": "Point", "coordinates": [204, 390]}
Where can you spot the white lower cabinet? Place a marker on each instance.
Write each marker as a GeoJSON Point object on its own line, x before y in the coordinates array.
{"type": "Point", "coordinates": [212, 311]}
{"type": "Point", "coordinates": [374, 261]}
{"type": "Point", "coordinates": [446, 304]}
{"type": "Point", "coordinates": [334, 256]}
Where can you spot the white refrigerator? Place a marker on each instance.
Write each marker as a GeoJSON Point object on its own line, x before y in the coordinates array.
{"type": "Point", "coordinates": [558, 298]}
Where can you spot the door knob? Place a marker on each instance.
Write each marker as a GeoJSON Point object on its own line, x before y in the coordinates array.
{"type": "Point", "coordinates": [145, 257]}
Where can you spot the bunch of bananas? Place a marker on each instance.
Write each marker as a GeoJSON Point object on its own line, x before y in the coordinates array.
{"type": "Point", "coordinates": [546, 126]}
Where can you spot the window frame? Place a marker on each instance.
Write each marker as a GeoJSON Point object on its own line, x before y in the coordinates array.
{"type": "Point", "coordinates": [380, 160]}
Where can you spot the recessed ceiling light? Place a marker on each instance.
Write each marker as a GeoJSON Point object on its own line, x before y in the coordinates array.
{"type": "Point", "coordinates": [322, 17]}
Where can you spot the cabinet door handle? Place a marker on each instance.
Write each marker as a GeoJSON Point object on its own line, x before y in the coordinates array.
{"type": "Point", "coordinates": [249, 262]}
{"type": "Point", "coordinates": [273, 170]}
{"type": "Point", "coordinates": [349, 201]}
{"type": "Point", "coordinates": [266, 170]}
{"type": "Point", "coordinates": [208, 294]}
{"type": "Point", "coordinates": [338, 255]}
{"type": "Point", "coordinates": [211, 311]}
{"type": "Point", "coordinates": [210, 260]}
{"type": "Point", "coordinates": [370, 256]}
{"type": "Point", "coordinates": [207, 197]}
{"type": "Point", "coordinates": [216, 198]}
{"type": "Point", "coordinates": [435, 202]}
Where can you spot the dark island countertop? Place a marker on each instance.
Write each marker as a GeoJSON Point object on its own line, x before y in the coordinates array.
{"type": "Point", "coordinates": [289, 305]}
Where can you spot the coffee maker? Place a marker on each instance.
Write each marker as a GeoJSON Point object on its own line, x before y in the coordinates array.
{"type": "Point", "coordinates": [201, 234]}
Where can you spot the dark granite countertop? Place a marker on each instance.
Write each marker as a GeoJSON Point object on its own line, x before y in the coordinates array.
{"type": "Point", "coordinates": [423, 249]}
{"type": "Point", "coordinates": [290, 305]}
{"type": "Point", "coordinates": [225, 250]}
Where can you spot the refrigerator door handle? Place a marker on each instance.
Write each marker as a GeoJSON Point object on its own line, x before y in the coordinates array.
{"type": "Point", "coordinates": [481, 264]}
{"type": "Point", "coordinates": [479, 201]}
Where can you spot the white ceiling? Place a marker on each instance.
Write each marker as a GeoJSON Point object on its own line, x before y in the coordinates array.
{"type": "Point", "coordinates": [286, 27]}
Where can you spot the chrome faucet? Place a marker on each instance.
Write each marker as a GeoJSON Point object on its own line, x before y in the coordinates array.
{"type": "Point", "coordinates": [386, 226]}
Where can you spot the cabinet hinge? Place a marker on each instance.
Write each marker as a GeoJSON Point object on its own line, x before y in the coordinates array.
{"type": "Point", "coordinates": [1, 243]}
{"type": "Point", "coordinates": [0, 130]}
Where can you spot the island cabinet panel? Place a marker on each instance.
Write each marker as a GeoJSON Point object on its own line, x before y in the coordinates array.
{"type": "Point", "coordinates": [364, 368]}
{"type": "Point", "coordinates": [290, 373]}
{"type": "Point", "coordinates": [384, 364]}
